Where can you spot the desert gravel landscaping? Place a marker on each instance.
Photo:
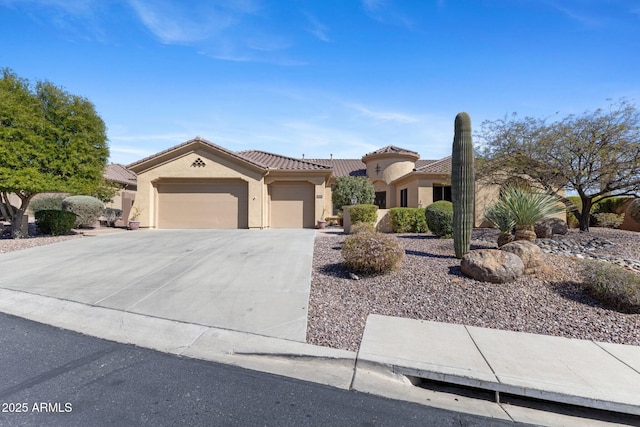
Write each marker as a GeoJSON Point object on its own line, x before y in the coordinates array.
{"type": "Point", "coordinates": [429, 286]}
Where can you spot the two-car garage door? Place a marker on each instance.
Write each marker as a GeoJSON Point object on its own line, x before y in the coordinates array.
{"type": "Point", "coordinates": [208, 203]}
{"type": "Point", "coordinates": [223, 203]}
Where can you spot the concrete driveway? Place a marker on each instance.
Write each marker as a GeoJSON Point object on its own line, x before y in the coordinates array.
{"type": "Point", "coordinates": [247, 280]}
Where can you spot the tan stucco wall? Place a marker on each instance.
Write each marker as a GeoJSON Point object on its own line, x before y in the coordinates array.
{"type": "Point", "coordinates": [391, 168]}
{"type": "Point", "coordinates": [218, 165]}
{"type": "Point", "coordinates": [412, 193]}
{"type": "Point", "coordinates": [420, 189]}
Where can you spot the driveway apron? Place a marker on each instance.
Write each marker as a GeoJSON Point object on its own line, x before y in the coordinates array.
{"type": "Point", "coordinates": [253, 281]}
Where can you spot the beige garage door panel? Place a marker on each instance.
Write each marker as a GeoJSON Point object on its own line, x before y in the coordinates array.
{"type": "Point", "coordinates": [198, 204]}
{"type": "Point", "coordinates": [292, 205]}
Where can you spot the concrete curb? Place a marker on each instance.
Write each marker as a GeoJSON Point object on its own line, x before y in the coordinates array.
{"type": "Point", "coordinates": [266, 354]}
{"type": "Point", "coordinates": [553, 369]}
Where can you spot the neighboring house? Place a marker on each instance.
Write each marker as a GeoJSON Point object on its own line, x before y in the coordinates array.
{"type": "Point", "coordinates": [116, 173]}
{"type": "Point", "coordinates": [124, 198]}
{"type": "Point", "coordinates": [198, 184]}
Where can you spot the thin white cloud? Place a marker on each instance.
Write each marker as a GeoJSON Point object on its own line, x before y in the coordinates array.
{"type": "Point", "coordinates": [383, 116]}
{"type": "Point", "coordinates": [386, 12]}
{"type": "Point", "coordinates": [75, 19]}
{"type": "Point", "coordinates": [174, 22]}
{"type": "Point", "coordinates": [237, 31]}
{"type": "Point", "coordinates": [315, 27]}
{"type": "Point", "coordinates": [575, 15]}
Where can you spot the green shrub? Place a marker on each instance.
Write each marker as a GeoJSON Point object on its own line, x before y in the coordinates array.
{"type": "Point", "coordinates": [111, 215]}
{"type": "Point", "coordinates": [87, 209]}
{"type": "Point", "coordinates": [612, 284]}
{"type": "Point", "coordinates": [372, 253]}
{"type": "Point", "coordinates": [606, 206]}
{"type": "Point", "coordinates": [526, 207]}
{"type": "Point", "coordinates": [54, 221]}
{"type": "Point", "coordinates": [408, 220]}
{"type": "Point", "coordinates": [609, 205]}
{"type": "Point", "coordinates": [609, 220]}
{"type": "Point", "coordinates": [362, 227]}
{"type": "Point", "coordinates": [439, 217]}
{"type": "Point", "coordinates": [363, 213]}
{"type": "Point", "coordinates": [46, 203]}
{"type": "Point", "coordinates": [348, 186]}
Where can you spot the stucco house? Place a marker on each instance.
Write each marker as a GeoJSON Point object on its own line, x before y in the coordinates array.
{"type": "Point", "coordinates": [199, 184]}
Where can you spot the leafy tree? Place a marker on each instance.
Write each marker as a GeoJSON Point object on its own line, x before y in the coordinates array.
{"type": "Point", "coordinates": [50, 141]}
{"type": "Point", "coordinates": [596, 154]}
{"type": "Point", "coordinates": [348, 186]}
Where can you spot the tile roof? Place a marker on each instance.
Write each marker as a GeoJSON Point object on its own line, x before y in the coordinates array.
{"type": "Point", "coordinates": [344, 167]}
{"type": "Point", "coordinates": [119, 173]}
{"type": "Point", "coordinates": [392, 149]}
{"type": "Point", "coordinates": [266, 160]}
{"type": "Point", "coordinates": [205, 142]}
{"type": "Point", "coordinates": [442, 166]}
{"type": "Point", "coordinates": [276, 161]}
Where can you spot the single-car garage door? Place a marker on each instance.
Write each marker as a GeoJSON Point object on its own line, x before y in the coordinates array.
{"type": "Point", "coordinates": [215, 203]}
{"type": "Point", "coordinates": [292, 205]}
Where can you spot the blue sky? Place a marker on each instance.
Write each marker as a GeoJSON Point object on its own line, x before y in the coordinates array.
{"type": "Point", "coordinates": [321, 77]}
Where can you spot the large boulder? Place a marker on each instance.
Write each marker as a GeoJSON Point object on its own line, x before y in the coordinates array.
{"type": "Point", "coordinates": [492, 265]}
{"type": "Point", "coordinates": [543, 230]}
{"type": "Point", "coordinates": [528, 252]}
{"type": "Point", "coordinates": [557, 226]}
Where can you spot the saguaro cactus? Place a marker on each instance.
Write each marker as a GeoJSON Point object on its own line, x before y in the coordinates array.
{"type": "Point", "coordinates": [462, 184]}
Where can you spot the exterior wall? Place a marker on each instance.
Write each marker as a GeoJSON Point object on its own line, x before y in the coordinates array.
{"type": "Point", "coordinates": [327, 205]}
{"type": "Point", "coordinates": [420, 188]}
{"type": "Point", "coordinates": [486, 195]}
{"type": "Point", "coordinates": [123, 200]}
{"type": "Point", "coordinates": [216, 166]}
{"type": "Point", "coordinates": [412, 193]}
{"type": "Point", "coordinates": [388, 168]}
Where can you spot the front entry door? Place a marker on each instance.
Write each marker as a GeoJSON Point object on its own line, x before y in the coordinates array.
{"type": "Point", "coordinates": [381, 199]}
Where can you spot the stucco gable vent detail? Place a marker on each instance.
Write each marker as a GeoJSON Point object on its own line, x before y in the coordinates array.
{"type": "Point", "coordinates": [198, 163]}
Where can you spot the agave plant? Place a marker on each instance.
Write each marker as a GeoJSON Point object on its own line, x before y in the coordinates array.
{"type": "Point", "coordinates": [501, 218]}
{"type": "Point", "coordinates": [526, 207]}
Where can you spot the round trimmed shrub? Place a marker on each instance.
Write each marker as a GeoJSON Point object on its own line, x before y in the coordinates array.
{"type": "Point", "coordinates": [372, 253]}
{"type": "Point", "coordinates": [439, 217]}
{"type": "Point", "coordinates": [54, 221]}
{"type": "Point", "coordinates": [46, 203]}
{"type": "Point", "coordinates": [362, 227]}
{"type": "Point", "coordinates": [612, 284]}
{"type": "Point", "coordinates": [87, 208]}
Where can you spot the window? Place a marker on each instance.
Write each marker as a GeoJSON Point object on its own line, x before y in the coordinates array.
{"type": "Point", "coordinates": [442, 192]}
{"type": "Point", "coordinates": [404, 193]}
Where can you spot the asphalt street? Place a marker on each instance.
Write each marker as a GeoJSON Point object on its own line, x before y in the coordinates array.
{"type": "Point", "coordinates": [55, 377]}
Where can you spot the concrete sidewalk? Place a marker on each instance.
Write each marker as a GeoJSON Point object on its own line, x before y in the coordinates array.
{"type": "Point", "coordinates": [552, 369]}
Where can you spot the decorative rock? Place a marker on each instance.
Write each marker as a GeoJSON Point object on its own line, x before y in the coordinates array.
{"type": "Point", "coordinates": [543, 230]}
{"type": "Point", "coordinates": [492, 265]}
{"type": "Point", "coordinates": [557, 225]}
{"type": "Point", "coordinates": [529, 253]}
